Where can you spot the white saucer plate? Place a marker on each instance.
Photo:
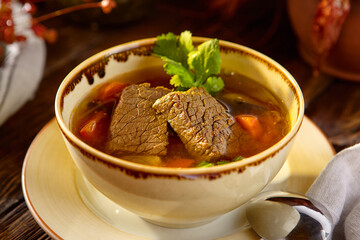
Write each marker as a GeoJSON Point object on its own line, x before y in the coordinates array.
{"type": "Point", "coordinates": [67, 207]}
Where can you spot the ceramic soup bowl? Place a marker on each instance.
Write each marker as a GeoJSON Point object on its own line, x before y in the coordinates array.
{"type": "Point", "coordinates": [176, 197]}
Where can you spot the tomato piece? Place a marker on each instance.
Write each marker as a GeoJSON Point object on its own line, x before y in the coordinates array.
{"type": "Point", "coordinates": [111, 90]}
{"type": "Point", "coordinates": [180, 163]}
{"type": "Point", "coordinates": [251, 124]}
{"type": "Point", "coordinates": [95, 129]}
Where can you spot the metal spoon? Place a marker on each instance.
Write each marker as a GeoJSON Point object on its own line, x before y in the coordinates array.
{"type": "Point", "coordinates": [279, 215]}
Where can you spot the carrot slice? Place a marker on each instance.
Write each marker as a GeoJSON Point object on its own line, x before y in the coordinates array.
{"type": "Point", "coordinates": [251, 124]}
{"type": "Point", "coordinates": [94, 130]}
{"type": "Point", "coordinates": [111, 90]}
{"type": "Point", "coordinates": [180, 163]}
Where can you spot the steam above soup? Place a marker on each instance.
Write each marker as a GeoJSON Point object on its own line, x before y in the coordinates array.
{"type": "Point", "coordinates": [139, 117]}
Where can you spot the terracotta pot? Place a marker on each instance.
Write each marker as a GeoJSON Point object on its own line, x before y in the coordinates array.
{"type": "Point", "coordinates": [342, 61]}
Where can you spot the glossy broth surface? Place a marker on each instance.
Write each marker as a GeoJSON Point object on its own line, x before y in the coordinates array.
{"type": "Point", "coordinates": [241, 97]}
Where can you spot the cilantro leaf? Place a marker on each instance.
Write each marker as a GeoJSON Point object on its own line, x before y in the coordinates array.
{"type": "Point", "coordinates": [185, 46]}
{"type": "Point", "coordinates": [182, 76]}
{"type": "Point", "coordinates": [238, 158]}
{"type": "Point", "coordinates": [166, 45]}
{"type": "Point", "coordinates": [213, 84]}
{"type": "Point", "coordinates": [205, 164]}
{"type": "Point", "coordinates": [175, 81]}
{"type": "Point", "coordinates": [190, 67]}
{"type": "Point", "coordinates": [205, 61]}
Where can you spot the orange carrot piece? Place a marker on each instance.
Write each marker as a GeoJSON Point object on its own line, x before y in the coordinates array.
{"type": "Point", "coordinates": [111, 90]}
{"type": "Point", "coordinates": [180, 163]}
{"type": "Point", "coordinates": [95, 129]}
{"type": "Point", "coordinates": [251, 124]}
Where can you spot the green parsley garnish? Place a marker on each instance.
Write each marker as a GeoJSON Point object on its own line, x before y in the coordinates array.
{"type": "Point", "coordinates": [190, 67]}
{"type": "Point", "coordinates": [205, 164]}
{"type": "Point", "coordinates": [222, 162]}
{"type": "Point", "coordinates": [238, 158]}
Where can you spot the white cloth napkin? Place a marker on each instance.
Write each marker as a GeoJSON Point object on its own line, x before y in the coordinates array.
{"type": "Point", "coordinates": [338, 189]}
{"type": "Point", "coordinates": [21, 72]}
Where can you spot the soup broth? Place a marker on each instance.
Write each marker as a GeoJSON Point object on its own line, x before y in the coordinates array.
{"type": "Point", "coordinates": [259, 112]}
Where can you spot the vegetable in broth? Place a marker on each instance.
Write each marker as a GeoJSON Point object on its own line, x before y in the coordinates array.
{"type": "Point", "coordinates": [259, 113]}
{"type": "Point", "coordinates": [140, 118]}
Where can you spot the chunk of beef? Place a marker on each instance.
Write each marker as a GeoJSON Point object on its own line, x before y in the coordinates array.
{"type": "Point", "coordinates": [234, 146]}
{"type": "Point", "coordinates": [135, 127]}
{"type": "Point", "coordinates": [200, 121]}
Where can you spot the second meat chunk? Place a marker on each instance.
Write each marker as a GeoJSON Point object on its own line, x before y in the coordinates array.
{"type": "Point", "coordinates": [135, 127]}
{"type": "Point", "coordinates": [199, 120]}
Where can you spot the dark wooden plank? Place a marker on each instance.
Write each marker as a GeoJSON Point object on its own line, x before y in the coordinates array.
{"type": "Point", "coordinates": [16, 221]}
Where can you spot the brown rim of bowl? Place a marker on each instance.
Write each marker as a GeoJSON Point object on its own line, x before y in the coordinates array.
{"type": "Point", "coordinates": [234, 166]}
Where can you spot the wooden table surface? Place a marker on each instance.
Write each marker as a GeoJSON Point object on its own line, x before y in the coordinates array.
{"type": "Point", "coordinates": [331, 103]}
